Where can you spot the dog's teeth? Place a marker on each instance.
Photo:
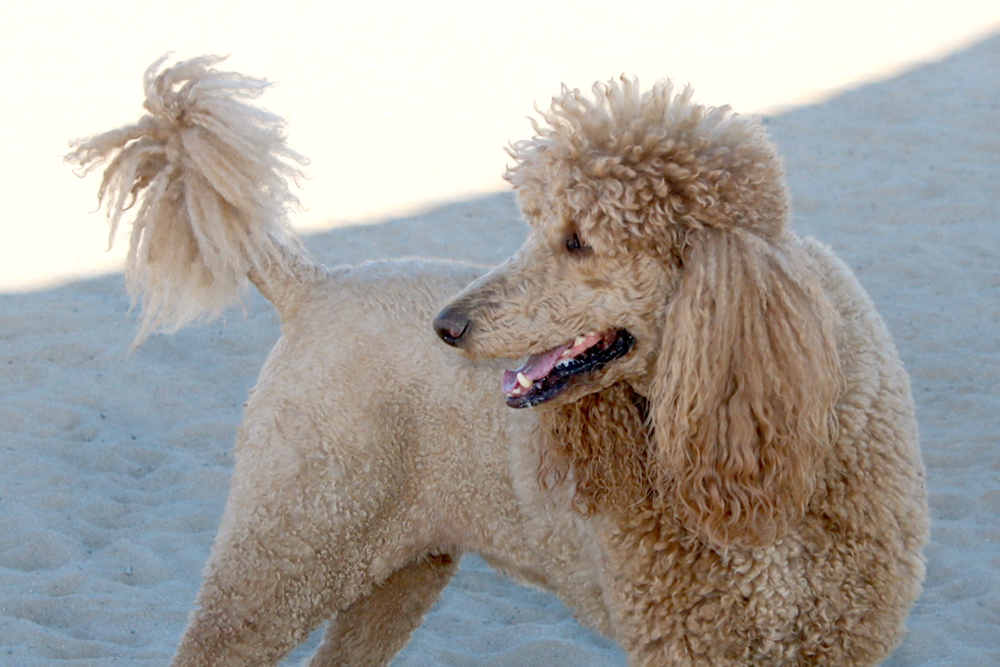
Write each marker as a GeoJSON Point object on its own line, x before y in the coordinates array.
{"type": "Point", "coordinates": [563, 363]}
{"type": "Point", "coordinates": [523, 381]}
{"type": "Point", "coordinates": [578, 340]}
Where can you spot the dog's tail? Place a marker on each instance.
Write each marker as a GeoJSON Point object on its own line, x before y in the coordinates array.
{"type": "Point", "coordinates": [206, 173]}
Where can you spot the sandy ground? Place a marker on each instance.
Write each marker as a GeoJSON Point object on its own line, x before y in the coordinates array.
{"type": "Point", "coordinates": [114, 468]}
{"type": "Point", "coordinates": [405, 104]}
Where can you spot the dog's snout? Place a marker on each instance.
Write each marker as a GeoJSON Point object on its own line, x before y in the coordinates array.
{"type": "Point", "coordinates": [451, 325]}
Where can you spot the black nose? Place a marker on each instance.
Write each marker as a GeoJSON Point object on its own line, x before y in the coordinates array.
{"type": "Point", "coordinates": [451, 325]}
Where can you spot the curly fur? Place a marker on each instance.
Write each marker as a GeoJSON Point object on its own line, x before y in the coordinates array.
{"type": "Point", "coordinates": [214, 171]}
{"type": "Point", "coordinates": [601, 441]}
{"type": "Point", "coordinates": [745, 388]}
{"type": "Point", "coordinates": [743, 487]}
{"type": "Point", "coordinates": [749, 518]}
{"type": "Point", "coordinates": [630, 168]}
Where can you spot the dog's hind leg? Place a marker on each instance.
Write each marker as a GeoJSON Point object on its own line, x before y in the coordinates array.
{"type": "Point", "coordinates": [276, 574]}
{"type": "Point", "coordinates": [260, 597]}
{"type": "Point", "coordinates": [322, 508]}
{"type": "Point", "coordinates": [372, 630]}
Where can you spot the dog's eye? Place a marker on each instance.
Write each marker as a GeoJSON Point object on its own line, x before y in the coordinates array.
{"type": "Point", "coordinates": [574, 244]}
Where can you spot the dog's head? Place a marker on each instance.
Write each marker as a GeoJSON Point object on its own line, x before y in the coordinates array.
{"type": "Point", "coordinates": [658, 256]}
{"type": "Point", "coordinates": [616, 191]}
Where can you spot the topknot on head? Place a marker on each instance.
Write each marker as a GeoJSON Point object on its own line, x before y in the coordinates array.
{"type": "Point", "coordinates": [648, 166]}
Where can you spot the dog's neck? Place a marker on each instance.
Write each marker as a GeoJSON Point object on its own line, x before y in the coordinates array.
{"type": "Point", "coordinates": [602, 443]}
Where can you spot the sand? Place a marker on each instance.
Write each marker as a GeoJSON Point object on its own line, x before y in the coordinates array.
{"type": "Point", "coordinates": [114, 467]}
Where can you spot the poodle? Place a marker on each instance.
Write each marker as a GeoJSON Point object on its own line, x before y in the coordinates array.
{"type": "Point", "coordinates": [719, 462]}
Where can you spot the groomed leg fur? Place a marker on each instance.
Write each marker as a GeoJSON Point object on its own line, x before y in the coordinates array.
{"type": "Point", "coordinates": [301, 530]}
{"type": "Point", "coordinates": [373, 629]}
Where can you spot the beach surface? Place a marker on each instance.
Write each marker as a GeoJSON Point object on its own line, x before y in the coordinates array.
{"type": "Point", "coordinates": [114, 467]}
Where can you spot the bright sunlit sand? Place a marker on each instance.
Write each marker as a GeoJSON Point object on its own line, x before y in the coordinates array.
{"type": "Point", "coordinates": [401, 105]}
{"type": "Point", "coordinates": [114, 468]}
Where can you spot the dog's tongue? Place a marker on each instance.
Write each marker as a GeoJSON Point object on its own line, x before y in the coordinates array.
{"type": "Point", "coordinates": [535, 368]}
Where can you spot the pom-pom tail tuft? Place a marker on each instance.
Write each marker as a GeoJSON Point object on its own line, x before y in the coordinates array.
{"type": "Point", "coordinates": [204, 175]}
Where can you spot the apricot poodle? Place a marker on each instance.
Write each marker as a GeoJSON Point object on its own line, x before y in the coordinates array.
{"type": "Point", "coordinates": [720, 466]}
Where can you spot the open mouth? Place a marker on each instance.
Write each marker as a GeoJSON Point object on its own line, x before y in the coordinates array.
{"type": "Point", "coordinates": [545, 376]}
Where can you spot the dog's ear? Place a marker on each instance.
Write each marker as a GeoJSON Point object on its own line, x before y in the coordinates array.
{"type": "Point", "coordinates": [745, 387]}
